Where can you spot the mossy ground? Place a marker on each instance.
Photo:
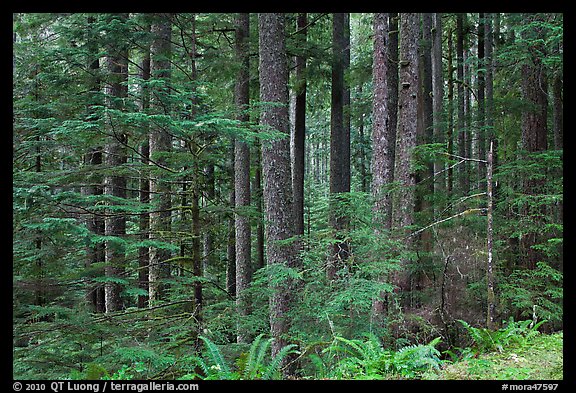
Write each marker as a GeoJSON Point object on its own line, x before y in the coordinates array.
{"type": "Point", "coordinates": [540, 358]}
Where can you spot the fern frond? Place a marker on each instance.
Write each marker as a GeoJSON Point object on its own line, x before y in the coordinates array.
{"type": "Point", "coordinates": [222, 368]}
{"type": "Point", "coordinates": [274, 365]}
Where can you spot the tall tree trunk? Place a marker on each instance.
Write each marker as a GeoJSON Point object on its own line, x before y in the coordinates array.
{"type": "Point", "coordinates": [403, 200]}
{"type": "Point", "coordinates": [160, 143]}
{"type": "Point", "coordinates": [450, 115]}
{"type": "Point", "coordinates": [489, 80]}
{"type": "Point", "coordinates": [491, 297]}
{"type": "Point", "coordinates": [558, 108]}
{"type": "Point", "coordinates": [346, 111]}
{"type": "Point", "coordinates": [197, 255]}
{"type": "Point", "coordinates": [277, 176]}
{"type": "Point", "coordinates": [383, 136]}
{"type": "Point", "coordinates": [339, 250]}
{"type": "Point", "coordinates": [362, 150]}
{"type": "Point", "coordinates": [383, 140]}
{"type": "Point", "coordinates": [534, 125]}
{"type": "Point", "coordinates": [114, 185]}
{"type": "Point", "coordinates": [258, 202]}
{"type": "Point", "coordinates": [144, 193]}
{"type": "Point", "coordinates": [464, 176]}
{"type": "Point", "coordinates": [481, 123]}
{"type": "Point", "coordinates": [438, 96]}
{"type": "Point", "coordinates": [93, 158]}
{"type": "Point", "coordinates": [242, 179]}
{"type": "Point", "coordinates": [300, 128]}
{"type": "Point", "coordinates": [423, 207]}
{"type": "Point", "coordinates": [231, 238]}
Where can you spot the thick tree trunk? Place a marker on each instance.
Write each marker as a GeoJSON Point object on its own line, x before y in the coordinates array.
{"type": "Point", "coordinates": [403, 200]}
{"type": "Point", "coordinates": [383, 140]}
{"type": "Point", "coordinates": [277, 176]}
{"type": "Point", "coordinates": [160, 142]}
{"type": "Point", "coordinates": [383, 136]}
{"type": "Point", "coordinates": [534, 129]}
{"type": "Point", "coordinates": [242, 179]}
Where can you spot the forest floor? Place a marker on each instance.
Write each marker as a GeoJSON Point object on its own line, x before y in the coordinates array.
{"type": "Point", "coordinates": [539, 359]}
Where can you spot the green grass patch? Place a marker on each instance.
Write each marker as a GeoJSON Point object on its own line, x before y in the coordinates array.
{"type": "Point", "coordinates": [539, 358]}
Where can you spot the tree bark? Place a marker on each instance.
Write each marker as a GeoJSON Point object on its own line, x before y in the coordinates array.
{"type": "Point", "coordinates": [383, 139]}
{"type": "Point", "coordinates": [281, 252]}
{"type": "Point", "coordinates": [300, 129]}
{"type": "Point", "coordinates": [93, 158]}
{"type": "Point", "coordinates": [481, 122]}
{"type": "Point", "coordinates": [403, 200]}
{"type": "Point", "coordinates": [534, 88]}
{"type": "Point", "coordinates": [383, 136]}
{"type": "Point", "coordinates": [160, 142]}
{"type": "Point", "coordinates": [558, 108]}
{"type": "Point", "coordinates": [144, 193]}
{"type": "Point", "coordinates": [242, 179]}
{"type": "Point", "coordinates": [438, 96]}
{"type": "Point", "coordinates": [114, 185]}
{"type": "Point", "coordinates": [339, 143]}
{"type": "Point", "coordinates": [464, 175]}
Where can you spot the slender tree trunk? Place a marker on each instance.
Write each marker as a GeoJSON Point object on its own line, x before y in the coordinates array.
{"type": "Point", "coordinates": [231, 238]}
{"type": "Point", "coordinates": [450, 110]}
{"type": "Point", "coordinates": [362, 151]}
{"type": "Point", "coordinates": [403, 202]}
{"type": "Point", "coordinates": [197, 255]}
{"type": "Point", "coordinates": [491, 297]}
{"type": "Point", "coordinates": [346, 112]}
{"type": "Point", "coordinates": [464, 176]}
{"type": "Point", "coordinates": [423, 207]}
{"type": "Point", "coordinates": [115, 156]}
{"type": "Point", "coordinates": [339, 250]}
{"type": "Point", "coordinates": [277, 176]}
{"type": "Point", "coordinates": [558, 108]}
{"type": "Point", "coordinates": [300, 129]}
{"type": "Point", "coordinates": [489, 42]}
{"type": "Point", "coordinates": [94, 223]}
{"type": "Point", "coordinates": [438, 96]}
{"type": "Point", "coordinates": [144, 193]}
{"type": "Point", "coordinates": [481, 123]}
{"type": "Point", "coordinates": [160, 142]}
{"type": "Point", "coordinates": [257, 187]}
{"type": "Point", "coordinates": [242, 179]}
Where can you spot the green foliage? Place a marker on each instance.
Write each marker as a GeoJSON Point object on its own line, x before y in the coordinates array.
{"type": "Point", "coordinates": [248, 366]}
{"type": "Point", "coordinates": [357, 359]}
{"type": "Point", "coordinates": [514, 333]}
{"type": "Point", "coordinates": [538, 291]}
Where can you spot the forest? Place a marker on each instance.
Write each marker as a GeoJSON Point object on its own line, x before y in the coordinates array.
{"type": "Point", "coordinates": [287, 196]}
